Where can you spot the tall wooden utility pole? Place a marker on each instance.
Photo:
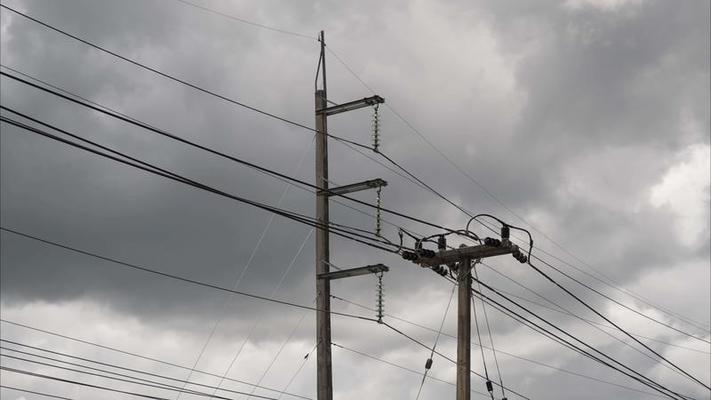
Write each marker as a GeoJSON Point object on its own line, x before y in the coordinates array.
{"type": "Point", "coordinates": [324, 376]}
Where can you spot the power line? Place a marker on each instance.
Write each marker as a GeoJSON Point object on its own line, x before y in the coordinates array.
{"type": "Point", "coordinates": [254, 166]}
{"type": "Point", "coordinates": [490, 194]}
{"type": "Point", "coordinates": [637, 375]}
{"type": "Point", "coordinates": [596, 325]}
{"type": "Point", "coordinates": [164, 377]}
{"type": "Point", "coordinates": [337, 229]}
{"type": "Point", "coordinates": [450, 359]}
{"type": "Point", "coordinates": [392, 364]}
{"type": "Point", "coordinates": [591, 308]}
{"type": "Point", "coordinates": [244, 270]}
{"type": "Point", "coordinates": [115, 376]}
{"type": "Point", "coordinates": [248, 22]}
{"type": "Point", "coordinates": [64, 91]}
{"type": "Point", "coordinates": [113, 349]}
{"type": "Point", "coordinates": [599, 293]}
{"type": "Point", "coordinates": [53, 396]}
{"type": "Point", "coordinates": [55, 378]}
{"type": "Point", "coordinates": [539, 363]}
{"type": "Point", "coordinates": [177, 277]}
{"type": "Point", "coordinates": [590, 323]}
{"type": "Point", "coordinates": [175, 79]}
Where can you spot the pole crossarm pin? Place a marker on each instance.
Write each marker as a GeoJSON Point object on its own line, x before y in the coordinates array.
{"type": "Point", "coordinates": [472, 252]}
{"type": "Point", "coordinates": [354, 187]}
{"type": "Point", "coordinates": [351, 105]}
{"type": "Point", "coordinates": [347, 273]}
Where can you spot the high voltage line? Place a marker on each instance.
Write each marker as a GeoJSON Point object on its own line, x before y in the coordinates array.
{"type": "Point", "coordinates": [247, 106]}
{"type": "Point", "coordinates": [215, 287]}
{"type": "Point", "coordinates": [304, 218]}
{"type": "Point", "coordinates": [114, 349]}
{"type": "Point", "coordinates": [453, 164]}
{"type": "Point", "coordinates": [599, 315]}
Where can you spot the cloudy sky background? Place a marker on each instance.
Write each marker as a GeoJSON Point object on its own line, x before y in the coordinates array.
{"type": "Point", "coordinates": [590, 119]}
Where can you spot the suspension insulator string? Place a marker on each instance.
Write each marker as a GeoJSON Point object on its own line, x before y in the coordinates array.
{"type": "Point", "coordinates": [378, 220]}
{"type": "Point", "coordinates": [380, 301]}
{"type": "Point", "coordinates": [376, 128]}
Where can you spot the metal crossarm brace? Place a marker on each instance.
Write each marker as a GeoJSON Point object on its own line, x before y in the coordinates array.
{"type": "Point", "coordinates": [444, 257]}
{"type": "Point", "coordinates": [346, 273]}
{"type": "Point", "coordinates": [351, 105]}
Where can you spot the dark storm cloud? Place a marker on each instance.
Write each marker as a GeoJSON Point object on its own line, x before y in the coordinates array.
{"type": "Point", "coordinates": [569, 114]}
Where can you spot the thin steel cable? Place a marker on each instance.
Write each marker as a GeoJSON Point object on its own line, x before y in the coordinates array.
{"type": "Point", "coordinates": [248, 22]}
{"type": "Point", "coordinates": [491, 337]}
{"type": "Point", "coordinates": [478, 334]}
{"type": "Point", "coordinates": [238, 281]}
{"type": "Point", "coordinates": [298, 370]}
{"type": "Point", "coordinates": [258, 321]}
{"type": "Point", "coordinates": [450, 359]}
{"type": "Point", "coordinates": [434, 346]}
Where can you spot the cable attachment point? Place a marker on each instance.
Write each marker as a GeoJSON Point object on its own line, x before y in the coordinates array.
{"type": "Point", "coordinates": [376, 127]}
{"type": "Point", "coordinates": [378, 204]}
{"type": "Point", "coordinates": [428, 363]}
{"type": "Point", "coordinates": [380, 302]}
{"type": "Point", "coordinates": [489, 386]}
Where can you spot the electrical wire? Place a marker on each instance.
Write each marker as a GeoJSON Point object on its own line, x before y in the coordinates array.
{"type": "Point", "coordinates": [593, 324]}
{"type": "Point", "coordinates": [298, 370]}
{"type": "Point", "coordinates": [597, 292]}
{"type": "Point", "coordinates": [293, 184]}
{"type": "Point", "coordinates": [244, 271]}
{"type": "Point", "coordinates": [632, 373]}
{"type": "Point", "coordinates": [591, 308]}
{"type": "Point", "coordinates": [73, 382]}
{"type": "Point", "coordinates": [193, 86]}
{"type": "Point", "coordinates": [257, 322]}
{"type": "Point", "coordinates": [177, 277]}
{"type": "Point", "coordinates": [248, 22]}
{"type": "Point", "coordinates": [115, 376]}
{"type": "Point", "coordinates": [490, 389]}
{"type": "Point", "coordinates": [450, 359]}
{"type": "Point", "coordinates": [491, 337]}
{"type": "Point", "coordinates": [337, 229]}
{"type": "Point", "coordinates": [538, 363]}
{"type": "Point", "coordinates": [128, 378]}
{"type": "Point", "coordinates": [401, 367]}
{"type": "Point", "coordinates": [53, 396]}
{"type": "Point", "coordinates": [267, 171]}
{"type": "Point", "coordinates": [434, 346]}
{"type": "Point", "coordinates": [119, 351]}
{"type": "Point", "coordinates": [494, 197]}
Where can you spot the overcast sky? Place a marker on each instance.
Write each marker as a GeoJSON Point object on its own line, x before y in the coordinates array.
{"type": "Point", "coordinates": [586, 121]}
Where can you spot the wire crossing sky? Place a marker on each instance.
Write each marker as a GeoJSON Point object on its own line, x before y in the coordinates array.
{"type": "Point", "coordinates": [586, 120]}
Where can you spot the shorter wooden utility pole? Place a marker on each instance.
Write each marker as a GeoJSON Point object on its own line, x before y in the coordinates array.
{"type": "Point", "coordinates": [459, 262]}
